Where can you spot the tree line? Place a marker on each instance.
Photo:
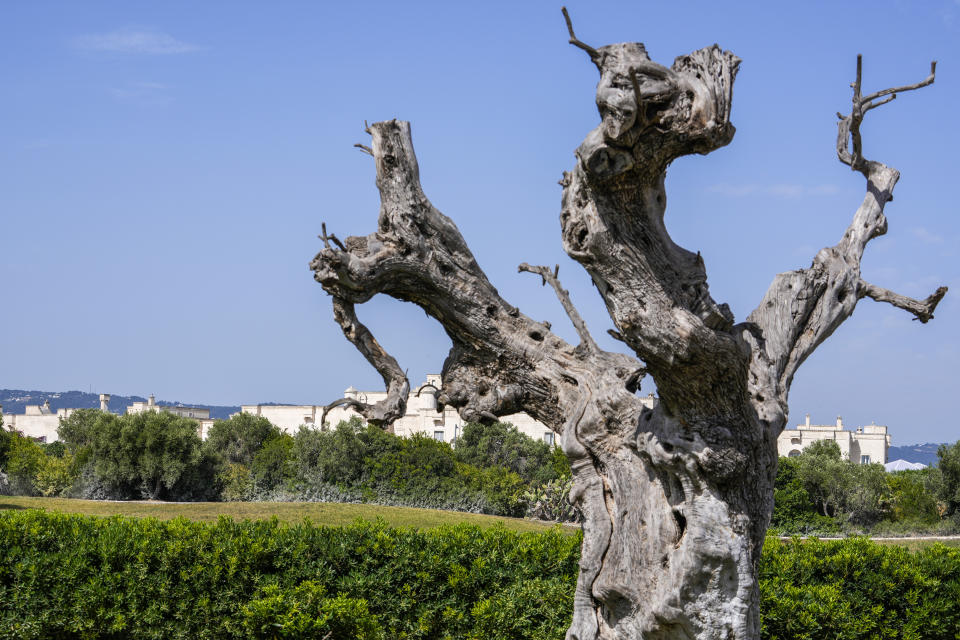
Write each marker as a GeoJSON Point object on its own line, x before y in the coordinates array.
{"type": "Point", "coordinates": [492, 469]}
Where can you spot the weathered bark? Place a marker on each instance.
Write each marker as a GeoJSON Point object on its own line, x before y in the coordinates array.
{"type": "Point", "coordinates": [676, 500]}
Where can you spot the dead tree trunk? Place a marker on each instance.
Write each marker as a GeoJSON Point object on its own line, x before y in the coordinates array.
{"type": "Point", "coordinates": [676, 500]}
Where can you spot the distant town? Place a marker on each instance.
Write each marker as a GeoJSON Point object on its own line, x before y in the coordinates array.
{"type": "Point", "coordinates": [37, 414]}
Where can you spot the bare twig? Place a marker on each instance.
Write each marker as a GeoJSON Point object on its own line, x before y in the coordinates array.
{"type": "Point", "coordinates": [921, 309]}
{"type": "Point", "coordinates": [328, 238]}
{"type": "Point", "coordinates": [909, 87]}
{"type": "Point", "coordinates": [564, 297]}
{"type": "Point", "coordinates": [594, 54]}
{"type": "Point", "coordinates": [364, 148]}
{"type": "Point", "coordinates": [849, 140]}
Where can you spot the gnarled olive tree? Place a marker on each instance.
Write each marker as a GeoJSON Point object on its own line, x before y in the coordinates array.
{"type": "Point", "coordinates": [676, 500]}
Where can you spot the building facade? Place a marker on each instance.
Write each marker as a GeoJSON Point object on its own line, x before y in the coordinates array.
{"type": "Point", "coordinates": [422, 415]}
{"type": "Point", "coordinates": [863, 445]}
{"type": "Point", "coordinates": [38, 421]}
{"type": "Point", "coordinates": [200, 414]}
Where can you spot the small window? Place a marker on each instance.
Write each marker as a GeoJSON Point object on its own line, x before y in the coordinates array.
{"type": "Point", "coordinates": [548, 437]}
{"type": "Point", "coordinates": [438, 435]}
{"type": "Point", "coordinates": [864, 459]}
{"type": "Point", "coordinates": [307, 419]}
{"type": "Point", "coordinates": [794, 453]}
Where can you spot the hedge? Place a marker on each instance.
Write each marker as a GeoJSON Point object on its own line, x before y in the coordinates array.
{"type": "Point", "coordinates": [69, 576]}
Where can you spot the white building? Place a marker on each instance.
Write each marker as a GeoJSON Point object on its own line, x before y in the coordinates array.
{"type": "Point", "coordinates": [40, 422]}
{"type": "Point", "coordinates": [201, 415]}
{"type": "Point", "coordinates": [864, 445]}
{"type": "Point", "coordinates": [421, 415]}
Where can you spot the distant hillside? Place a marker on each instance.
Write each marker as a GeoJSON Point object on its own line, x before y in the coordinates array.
{"type": "Point", "coordinates": [923, 453]}
{"type": "Point", "coordinates": [14, 400]}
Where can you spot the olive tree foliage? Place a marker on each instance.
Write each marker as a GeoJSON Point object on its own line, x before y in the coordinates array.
{"type": "Point", "coordinates": [948, 481]}
{"type": "Point", "coordinates": [153, 454]}
{"type": "Point", "coordinates": [239, 438]}
{"type": "Point", "coordinates": [675, 500]}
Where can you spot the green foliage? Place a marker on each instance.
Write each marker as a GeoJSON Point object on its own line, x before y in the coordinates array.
{"type": "Point", "coordinates": [501, 444]}
{"type": "Point", "coordinates": [367, 463]}
{"type": "Point", "coordinates": [55, 449]}
{"type": "Point", "coordinates": [819, 492]}
{"type": "Point", "coordinates": [551, 501]}
{"type": "Point", "coordinates": [239, 438]}
{"type": "Point", "coordinates": [54, 475]}
{"type": "Point", "coordinates": [73, 576]}
{"type": "Point", "coordinates": [948, 464]}
{"type": "Point", "coordinates": [162, 447]}
{"type": "Point", "coordinates": [271, 464]}
{"type": "Point", "coordinates": [5, 438]}
{"type": "Point", "coordinates": [82, 577]}
{"type": "Point", "coordinates": [76, 431]}
{"type": "Point", "coordinates": [305, 612]}
{"type": "Point", "coordinates": [236, 482]}
{"type": "Point", "coordinates": [150, 454]}
{"type": "Point", "coordinates": [912, 499]}
{"type": "Point", "coordinates": [855, 589]}
{"type": "Point", "coordinates": [25, 458]}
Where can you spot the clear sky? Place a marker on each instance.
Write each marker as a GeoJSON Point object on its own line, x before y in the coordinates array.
{"type": "Point", "coordinates": [165, 168]}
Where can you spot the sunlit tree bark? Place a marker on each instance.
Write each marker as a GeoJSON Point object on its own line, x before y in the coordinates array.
{"type": "Point", "coordinates": [677, 499]}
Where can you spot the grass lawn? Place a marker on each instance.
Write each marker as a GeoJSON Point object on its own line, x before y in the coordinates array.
{"type": "Point", "coordinates": [325, 513]}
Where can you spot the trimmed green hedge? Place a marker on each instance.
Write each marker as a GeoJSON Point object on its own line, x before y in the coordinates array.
{"type": "Point", "coordinates": [65, 576]}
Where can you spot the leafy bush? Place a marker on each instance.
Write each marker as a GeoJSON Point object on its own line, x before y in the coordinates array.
{"type": "Point", "coordinates": [305, 612]}
{"type": "Point", "coordinates": [271, 466]}
{"type": "Point", "coordinates": [948, 489]}
{"type": "Point", "coordinates": [502, 445]}
{"type": "Point", "coordinates": [68, 576]}
{"type": "Point", "coordinates": [855, 589]}
{"type": "Point", "coordinates": [239, 438]}
{"type": "Point", "coordinates": [151, 454]}
{"type": "Point", "coordinates": [24, 460]}
{"type": "Point", "coordinates": [376, 466]}
{"type": "Point", "coordinates": [74, 576]}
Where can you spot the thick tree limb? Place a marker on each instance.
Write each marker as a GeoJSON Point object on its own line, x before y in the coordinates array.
{"type": "Point", "coordinates": [921, 309]}
{"type": "Point", "coordinates": [385, 412]}
{"type": "Point", "coordinates": [502, 362]}
{"type": "Point", "coordinates": [614, 201]}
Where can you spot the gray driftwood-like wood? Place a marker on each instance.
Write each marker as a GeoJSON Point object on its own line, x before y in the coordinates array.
{"type": "Point", "coordinates": [676, 500]}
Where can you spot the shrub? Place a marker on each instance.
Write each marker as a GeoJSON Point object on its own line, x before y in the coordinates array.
{"type": "Point", "coordinates": [25, 458]}
{"type": "Point", "coordinates": [239, 438]}
{"type": "Point", "coordinates": [376, 466]}
{"type": "Point", "coordinates": [551, 501]}
{"type": "Point", "coordinates": [73, 576]}
{"type": "Point", "coordinates": [501, 444]}
{"type": "Point", "coordinates": [305, 612]}
{"type": "Point", "coordinates": [271, 463]}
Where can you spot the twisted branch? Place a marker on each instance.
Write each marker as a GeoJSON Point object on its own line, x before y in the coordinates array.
{"type": "Point", "coordinates": [392, 407]}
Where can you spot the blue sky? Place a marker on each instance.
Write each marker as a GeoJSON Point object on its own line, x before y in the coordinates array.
{"type": "Point", "coordinates": [165, 168]}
